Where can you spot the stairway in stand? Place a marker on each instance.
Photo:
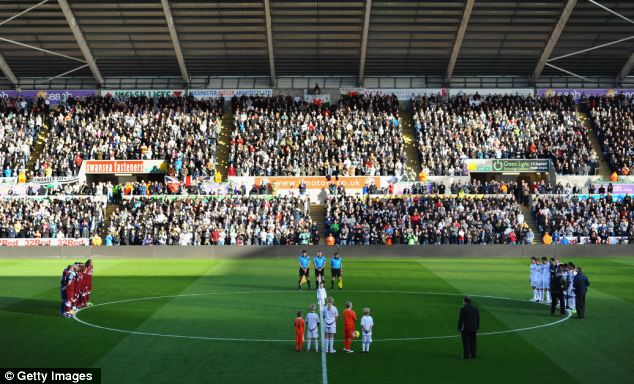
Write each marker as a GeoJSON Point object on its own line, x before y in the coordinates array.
{"type": "Point", "coordinates": [224, 141]}
{"type": "Point", "coordinates": [409, 138]}
{"type": "Point", "coordinates": [318, 214]}
{"type": "Point", "coordinates": [528, 219]}
{"type": "Point", "coordinates": [604, 167]}
{"type": "Point", "coordinates": [37, 149]}
{"type": "Point", "coordinates": [110, 208]}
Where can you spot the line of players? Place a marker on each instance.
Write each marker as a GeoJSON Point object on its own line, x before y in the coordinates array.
{"type": "Point", "coordinates": [319, 262]}
{"type": "Point", "coordinates": [330, 315]}
{"type": "Point", "coordinates": [544, 272]}
{"type": "Point", "coordinates": [76, 287]}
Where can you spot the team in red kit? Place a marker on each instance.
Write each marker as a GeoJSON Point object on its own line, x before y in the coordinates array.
{"type": "Point", "coordinates": [76, 287]}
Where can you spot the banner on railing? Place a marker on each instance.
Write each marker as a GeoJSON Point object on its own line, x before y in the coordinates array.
{"type": "Point", "coordinates": [317, 99]}
{"type": "Point", "coordinates": [124, 166]}
{"type": "Point", "coordinates": [491, 91]}
{"type": "Point", "coordinates": [151, 93]}
{"type": "Point", "coordinates": [318, 182]}
{"type": "Point", "coordinates": [44, 242]}
{"type": "Point", "coordinates": [54, 180]}
{"type": "Point", "coordinates": [53, 96]}
{"type": "Point", "coordinates": [401, 93]}
{"type": "Point", "coordinates": [578, 93]}
{"type": "Point", "coordinates": [587, 240]}
{"type": "Point", "coordinates": [214, 93]}
{"type": "Point", "coordinates": [619, 188]}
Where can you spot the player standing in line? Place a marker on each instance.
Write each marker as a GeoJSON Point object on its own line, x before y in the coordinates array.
{"type": "Point", "coordinates": [304, 269]}
{"type": "Point", "coordinates": [538, 280]}
{"type": "Point", "coordinates": [63, 286]}
{"type": "Point", "coordinates": [299, 332]}
{"type": "Point", "coordinates": [349, 318]}
{"type": "Point", "coordinates": [335, 269]}
{"type": "Point", "coordinates": [532, 278]}
{"type": "Point", "coordinates": [88, 276]}
{"type": "Point", "coordinates": [321, 295]}
{"type": "Point", "coordinates": [367, 323]}
{"type": "Point", "coordinates": [312, 334]}
{"type": "Point", "coordinates": [320, 267]}
{"type": "Point", "coordinates": [79, 286]}
{"type": "Point", "coordinates": [546, 270]}
{"type": "Point", "coordinates": [70, 290]}
{"type": "Point", "coordinates": [570, 301]}
{"type": "Point", "coordinates": [330, 315]}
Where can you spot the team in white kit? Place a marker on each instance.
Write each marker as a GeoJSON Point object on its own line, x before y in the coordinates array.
{"type": "Point", "coordinates": [541, 273]}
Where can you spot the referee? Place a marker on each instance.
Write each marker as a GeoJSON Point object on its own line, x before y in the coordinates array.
{"type": "Point", "coordinates": [335, 269]}
{"type": "Point", "coordinates": [320, 266]}
{"type": "Point", "coordinates": [304, 268]}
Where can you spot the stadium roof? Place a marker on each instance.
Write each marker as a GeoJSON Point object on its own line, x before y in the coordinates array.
{"type": "Point", "coordinates": [314, 38]}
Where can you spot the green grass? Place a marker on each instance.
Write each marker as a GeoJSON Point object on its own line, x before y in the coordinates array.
{"type": "Point", "coordinates": [597, 349]}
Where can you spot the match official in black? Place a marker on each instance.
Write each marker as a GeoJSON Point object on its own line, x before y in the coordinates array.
{"type": "Point", "coordinates": [580, 284]}
{"type": "Point", "coordinates": [557, 289]}
{"type": "Point", "coordinates": [468, 325]}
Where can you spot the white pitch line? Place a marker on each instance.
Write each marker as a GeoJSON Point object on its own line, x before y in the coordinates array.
{"type": "Point", "coordinates": [324, 367]}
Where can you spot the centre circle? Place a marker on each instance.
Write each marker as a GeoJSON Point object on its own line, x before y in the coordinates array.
{"type": "Point", "coordinates": [262, 316]}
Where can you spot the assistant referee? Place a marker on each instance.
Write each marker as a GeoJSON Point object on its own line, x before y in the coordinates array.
{"type": "Point", "coordinates": [304, 268]}
{"type": "Point", "coordinates": [335, 269]}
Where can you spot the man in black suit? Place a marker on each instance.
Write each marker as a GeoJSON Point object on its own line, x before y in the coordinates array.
{"type": "Point", "coordinates": [557, 288]}
{"type": "Point", "coordinates": [468, 325]}
{"type": "Point", "coordinates": [580, 284]}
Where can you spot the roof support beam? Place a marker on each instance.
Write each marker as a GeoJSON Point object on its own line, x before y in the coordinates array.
{"type": "Point", "coordinates": [269, 40]}
{"type": "Point", "coordinates": [554, 38]}
{"type": "Point", "coordinates": [459, 37]}
{"type": "Point", "coordinates": [627, 68]}
{"type": "Point", "coordinates": [90, 60]}
{"type": "Point", "coordinates": [364, 40]}
{"type": "Point", "coordinates": [4, 66]}
{"type": "Point", "coordinates": [175, 41]}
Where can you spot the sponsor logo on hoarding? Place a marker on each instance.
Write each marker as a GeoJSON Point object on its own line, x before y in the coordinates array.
{"type": "Point", "coordinates": [351, 182]}
{"type": "Point", "coordinates": [151, 93]}
{"type": "Point", "coordinates": [125, 166]}
{"type": "Point", "coordinates": [212, 93]}
{"type": "Point", "coordinates": [54, 96]}
{"type": "Point", "coordinates": [577, 93]}
{"type": "Point", "coordinates": [43, 242]}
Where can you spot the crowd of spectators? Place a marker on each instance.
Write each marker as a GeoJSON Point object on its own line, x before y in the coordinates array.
{"type": "Point", "coordinates": [597, 219]}
{"type": "Point", "coordinates": [182, 130]}
{"type": "Point", "coordinates": [285, 136]}
{"type": "Point", "coordinates": [20, 122]}
{"type": "Point", "coordinates": [425, 220]}
{"type": "Point", "coordinates": [613, 120]}
{"type": "Point", "coordinates": [501, 127]}
{"type": "Point", "coordinates": [76, 217]}
{"type": "Point", "coordinates": [232, 220]}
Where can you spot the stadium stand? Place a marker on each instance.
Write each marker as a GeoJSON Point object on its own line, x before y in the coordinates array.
{"type": "Point", "coordinates": [596, 219]}
{"type": "Point", "coordinates": [59, 218]}
{"type": "Point", "coordinates": [613, 120]}
{"type": "Point", "coordinates": [425, 219]}
{"type": "Point", "coordinates": [182, 130]}
{"type": "Point", "coordinates": [20, 122]}
{"type": "Point", "coordinates": [501, 126]}
{"type": "Point", "coordinates": [285, 136]}
{"type": "Point", "coordinates": [237, 220]}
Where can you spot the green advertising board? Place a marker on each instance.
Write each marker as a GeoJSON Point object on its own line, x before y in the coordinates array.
{"type": "Point", "coordinates": [520, 165]}
{"type": "Point", "coordinates": [507, 165]}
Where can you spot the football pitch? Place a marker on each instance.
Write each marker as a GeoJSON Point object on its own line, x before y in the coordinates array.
{"type": "Point", "coordinates": [231, 321]}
